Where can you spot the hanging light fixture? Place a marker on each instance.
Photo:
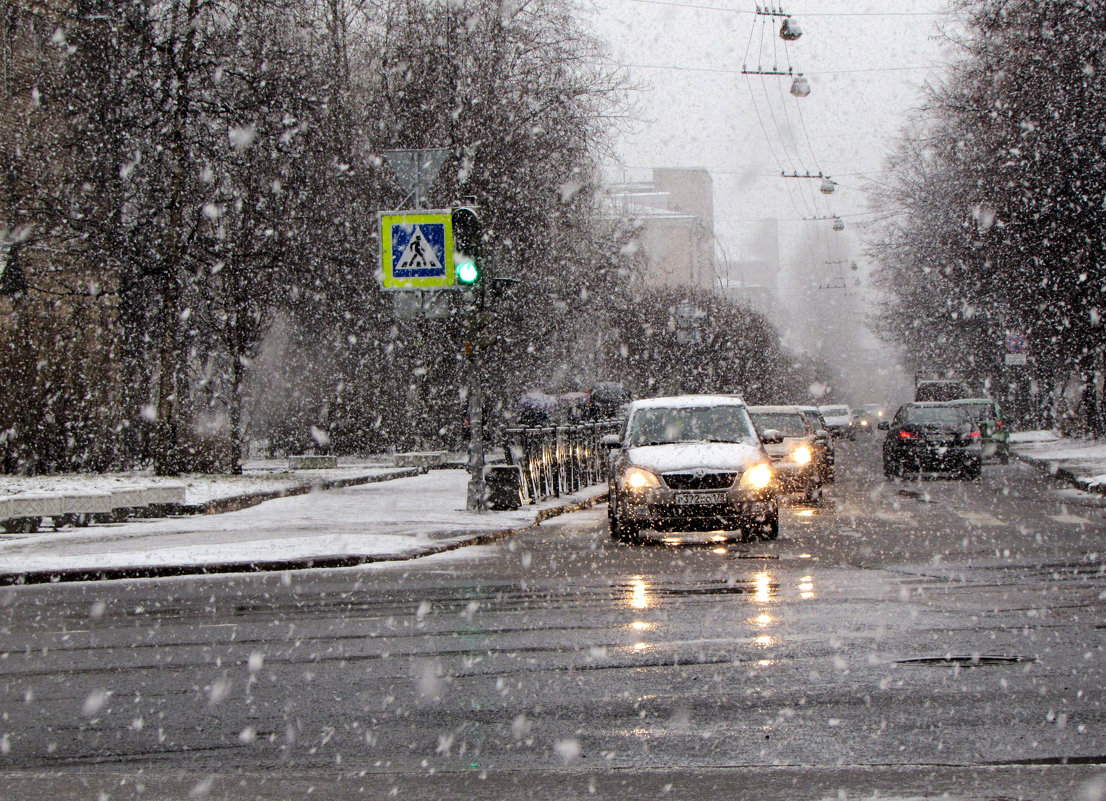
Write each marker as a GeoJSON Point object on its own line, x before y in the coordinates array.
{"type": "Point", "coordinates": [838, 223]}
{"type": "Point", "coordinates": [790, 30]}
{"type": "Point", "coordinates": [800, 87]}
{"type": "Point", "coordinates": [828, 186]}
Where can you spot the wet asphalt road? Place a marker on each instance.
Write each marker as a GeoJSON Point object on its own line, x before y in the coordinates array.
{"type": "Point", "coordinates": [899, 640]}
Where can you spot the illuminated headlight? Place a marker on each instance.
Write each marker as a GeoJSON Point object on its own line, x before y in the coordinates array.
{"type": "Point", "coordinates": [802, 455]}
{"type": "Point", "coordinates": [757, 477]}
{"type": "Point", "coordinates": [635, 478]}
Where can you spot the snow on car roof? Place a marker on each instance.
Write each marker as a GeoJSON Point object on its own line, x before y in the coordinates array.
{"type": "Point", "coordinates": [775, 410]}
{"type": "Point", "coordinates": [684, 401]}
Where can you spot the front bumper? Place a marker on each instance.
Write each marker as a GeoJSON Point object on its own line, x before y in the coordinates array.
{"type": "Point", "coordinates": [659, 508]}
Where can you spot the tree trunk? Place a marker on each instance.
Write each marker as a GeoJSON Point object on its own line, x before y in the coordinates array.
{"type": "Point", "coordinates": [167, 456]}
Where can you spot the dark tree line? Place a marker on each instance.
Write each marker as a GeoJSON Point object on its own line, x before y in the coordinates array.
{"type": "Point", "coordinates": [189, 239]}
{"type": "Point", "coordinates": [999, 201]}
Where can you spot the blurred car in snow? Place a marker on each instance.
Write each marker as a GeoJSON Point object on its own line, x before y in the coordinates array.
{"type": "Point", "coordinates": [793, 446]}
{"type": "Point", "coordinates": [932, 438]}
{"type": "Point", "coordinates": [839, 420]}
{"type": "Point", "coordinates": [987, 415]}
{"type": "Point", "coordinates": [692, 462]}
{"type": "Point", "coordinates": [823, 442]}
{"type": "Point", "coordinates": [868, 417]}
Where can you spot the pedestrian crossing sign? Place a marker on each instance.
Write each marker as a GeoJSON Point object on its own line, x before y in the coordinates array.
{"type": "Point", "coordinates": [416, 249]}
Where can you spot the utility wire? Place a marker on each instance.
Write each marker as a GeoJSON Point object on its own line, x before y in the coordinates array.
{"type": "Point", "coordinates": [704, 7]}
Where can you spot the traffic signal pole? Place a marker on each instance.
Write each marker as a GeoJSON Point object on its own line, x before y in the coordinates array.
{"type": "Point", "coordinates": [470, 268]}
{"type": "Point", "coordinates": [476, 499]}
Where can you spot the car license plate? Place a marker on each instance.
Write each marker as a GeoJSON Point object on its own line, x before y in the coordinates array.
{"type": "Point", "coordinates": [686, 498]}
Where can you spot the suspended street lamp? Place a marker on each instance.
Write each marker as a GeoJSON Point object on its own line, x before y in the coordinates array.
{"type": "Point", "coordinates": [828, 186]}
{"type": "Point", "coordinates": [790, 30]}
{"type": "Point", "coordinates": [800, 87]}
{"type": "Point", "coordinates": [838, 223]}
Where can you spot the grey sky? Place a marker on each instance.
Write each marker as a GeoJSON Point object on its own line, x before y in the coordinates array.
{"type": "Point", "coordinates": [865, 59]}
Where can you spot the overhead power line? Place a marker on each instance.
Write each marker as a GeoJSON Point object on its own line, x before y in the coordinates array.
{"type": "Point", "coordinates": [704, 7]}
{"type": "Point", "coordinates": [734, 70]}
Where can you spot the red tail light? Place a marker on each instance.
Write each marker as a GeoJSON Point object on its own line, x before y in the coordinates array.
{"type": "Point", "coordinates": [907, 435]}
{"type": "Point", "coordinates": [975, 434]}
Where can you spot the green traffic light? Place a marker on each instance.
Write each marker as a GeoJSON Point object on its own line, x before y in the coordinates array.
{"type": "Point", "coordinates": [467, 272]}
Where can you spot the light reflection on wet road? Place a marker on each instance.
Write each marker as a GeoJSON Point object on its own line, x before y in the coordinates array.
{"type": "Point", "coordinates": [916, 624]}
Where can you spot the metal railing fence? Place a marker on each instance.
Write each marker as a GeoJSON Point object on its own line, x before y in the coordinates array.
{"type": "Point", "coordinates": [559, 460]}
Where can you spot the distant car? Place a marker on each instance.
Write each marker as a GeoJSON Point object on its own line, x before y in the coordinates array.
{"type": "Point", "coordinates": [862, 423]}
{"type": "Point", "coordinates": [839, 420]}
{"type": "Point", "coordinates": [987, 415]}
{"type": "Point", "coordinates": [690, 462]}
{"type": "Point", "coordinates": [796, 455]}
{"type": "Point", "coordinates": [932, 438]}
{"type": "Point", "coordinates": [823, 442]}
{"type": "Point", "coordinates": [869, 417]}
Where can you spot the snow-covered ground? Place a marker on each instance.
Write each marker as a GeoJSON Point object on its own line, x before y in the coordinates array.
{"type": "Point", "coordinates": [257, 477]}
{"type": "Point", "coordinates": [1082, 460]}
{"type": "Point", "coordinates": [399, 518]}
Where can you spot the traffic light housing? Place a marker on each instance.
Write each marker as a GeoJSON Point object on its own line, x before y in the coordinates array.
{"type": "Point", "coordinates": [467, 263]}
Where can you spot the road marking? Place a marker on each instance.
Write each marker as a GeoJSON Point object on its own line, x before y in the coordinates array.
{"type": "Point", "coordinates": [1070, 519]}
{"type": "Point", "coordinates": [981, 519]}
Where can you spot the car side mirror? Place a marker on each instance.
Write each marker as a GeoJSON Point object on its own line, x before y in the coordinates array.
{"type": "Point", "coordinates": [772, 437]}
{"type": "Point", "coordinates": [884, 425]}
{"type": "Point", "coordinates": [611, 441]}
{"type": "Point", "coordinates": [822, 434]}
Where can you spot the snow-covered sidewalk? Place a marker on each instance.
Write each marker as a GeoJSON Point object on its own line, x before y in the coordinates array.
{"type": "Point", "coordinates": [1080, 461]}
{"type": "Point", "coordinates": [258, 478]}
{"type": "Point", "coordinates": [397, 519]}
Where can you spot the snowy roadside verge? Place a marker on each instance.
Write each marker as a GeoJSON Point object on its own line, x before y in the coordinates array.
{"type": "Point", "coordinates": [1082, 463]}
{"type": "Point", "coordinates": [208, 494]}
{"type": "Point", "coordinates": [395, 520]}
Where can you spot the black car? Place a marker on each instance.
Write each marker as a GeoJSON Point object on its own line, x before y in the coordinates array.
{"type": "Point", "coordinates": [932, 438]}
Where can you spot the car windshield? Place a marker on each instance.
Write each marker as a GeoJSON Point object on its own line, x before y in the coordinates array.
{"type": "Point", "coordinates": [659, 426]}
{"type": "Point", "coordinates": [790, 425]}
{"type": "Point", "coordinates": [946, 415]}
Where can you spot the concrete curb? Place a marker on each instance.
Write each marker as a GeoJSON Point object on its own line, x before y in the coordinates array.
{"type": "Point", "coordinates": [1051, 468]}
{"type": "Point", "coordinates": [280, 565]}
{"type": "Point", "coordinates": [237, 502]}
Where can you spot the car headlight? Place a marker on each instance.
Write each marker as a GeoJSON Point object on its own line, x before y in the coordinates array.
{"type": "Point", "coordinates": [757, 477]}
{"type": "Point", "coordinates": [636, 479]}
{"type": "Point", "coordinates": [802, 455]}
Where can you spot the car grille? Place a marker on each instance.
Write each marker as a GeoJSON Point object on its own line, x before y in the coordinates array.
{"type": "Point", "coordinates": [692, 511]}
{"type": "Point", "coordinates": [706, 481]}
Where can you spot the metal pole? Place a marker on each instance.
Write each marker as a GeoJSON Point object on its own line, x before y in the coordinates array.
{"type": "Point", "coordinates": [476, 501]}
